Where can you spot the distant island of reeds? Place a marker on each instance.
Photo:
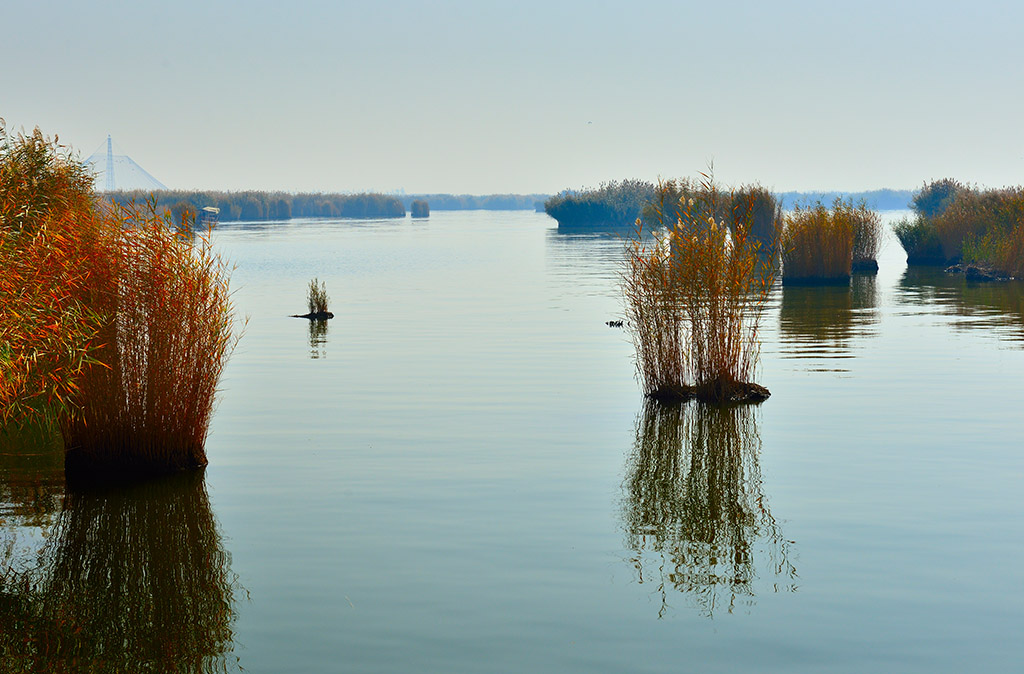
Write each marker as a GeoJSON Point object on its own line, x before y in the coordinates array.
{"type": "Point", "coordinates": [618, 204]}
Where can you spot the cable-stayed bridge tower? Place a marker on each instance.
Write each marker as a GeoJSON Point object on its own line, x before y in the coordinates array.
{"type": "Point", "coordinates": [119, 171]}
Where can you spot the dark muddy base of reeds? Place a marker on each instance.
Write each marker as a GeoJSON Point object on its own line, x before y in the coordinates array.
{"type": "Point", "coordinates": [317, 316]}
{"type": "Point", "coordinates": [743, 392]}
{"type": "Point", "coordinates": [864, 267]}
{"type": "Point", "coordinates": [85, 470]}
{"type": "Point", "coordinates": [918, 260]}
{"type": "Point", "coordinates": [816, 281]}
{"type": "Point", "coordinates": [977, 272]}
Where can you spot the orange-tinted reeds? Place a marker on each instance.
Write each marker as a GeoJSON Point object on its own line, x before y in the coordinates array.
{"type": "Point", "coordinates": [693, 300]}
{"type": "Point", "coordinates": [112, 320]}
{"type": "Point", "coordinates": [146, 406]}
{"type": "Point", "coordinates": [817, 244]}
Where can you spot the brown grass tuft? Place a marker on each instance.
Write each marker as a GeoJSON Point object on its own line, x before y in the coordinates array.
{"type": "Point", "coordinates": [694, 297]}
{"type": "Point", "coordinates": [817, 244]}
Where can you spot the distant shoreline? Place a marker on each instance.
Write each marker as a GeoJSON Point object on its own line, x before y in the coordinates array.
{"type": "Point", "coordinates": [255, 205]}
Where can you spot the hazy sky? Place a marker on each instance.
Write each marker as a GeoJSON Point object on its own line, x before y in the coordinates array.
{"type": "Point", "coordinates": [481, 97]}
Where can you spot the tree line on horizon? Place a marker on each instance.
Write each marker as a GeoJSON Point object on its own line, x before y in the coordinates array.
{"type": "Point", "coordinates": [263, 205]}
{"type": "Point", "coordinates": [259, 205]}
{"type": "Point", "coordinates": [613, 202]}
{"type": "Point", "coordinates": [477, 202]}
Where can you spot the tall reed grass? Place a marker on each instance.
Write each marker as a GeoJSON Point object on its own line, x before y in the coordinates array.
{"type": "Point", "coordinates": [114, 321]}
{"type": "Point", "coordinates": [146, 405]}
{"type": "Point", "coordinates": [957, 223]}
{"type": "Point", "coordinates": [316, 297]}
{"type": "Point", "coordinates": [694, 298]}
{"type": "Point", "coordinates": [984, 227]}
{"type": "Point", "coordinates": [52, 249]}
{"type": "Point", "coordinates": [867, 236]}
{"type": "Point", "coordinates": [920, 241]}
{"type": "Point", "coordinates": [817, 244]}
{"type": "Point", "coordinates": [419, 208]}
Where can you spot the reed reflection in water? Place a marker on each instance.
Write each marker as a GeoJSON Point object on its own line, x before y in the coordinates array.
{"type": "Point", "coordinates": [131, 579]}
{"type": "Point", "coordinates": [31, 478]}
{"type": "Point", "coordinates": [974, 305]}
{"type": "Point", "coordinates": [317, 339]}
{"type": "Point", "coordinates": [695, 514]}
{"type": "Point", "coordinates": [822, 321]}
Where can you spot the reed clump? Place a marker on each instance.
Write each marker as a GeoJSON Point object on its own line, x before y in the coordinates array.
{"type": "Point", "coordinates": [955, 224]}
{"type": "Point", "coordinates": [694, 297]}
{"type": "Point", "coordinates": [316, 297]}
{"type": "Point", "coordinates": [52, 251]}
{"type": "Point", "coordinates": [920, 236]}
{"type": "Point", "coordinates": [752, 207]}
{"type": "Point", "coordinates": [919, 241]}
{"type": "Point", "coordinates": [985, 227]}
{"type": "Point", "coordinates": [146, 405]}
{"type": "Point", "coordinates": [817, 244]}
{"type": "Point", "coordinates": [419, 208]}
{"type": "Point", "coordinates": [867, 237]}
{"type": "Point", "coordinates": [114, 322]}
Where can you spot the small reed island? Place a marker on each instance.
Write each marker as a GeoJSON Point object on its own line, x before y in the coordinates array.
{"type": "Point", "coordinates": [824, 246]}
{"type": "Point", "coordinates": [316, 300]}
{"type": "Point", "coordinates": [694, 295]}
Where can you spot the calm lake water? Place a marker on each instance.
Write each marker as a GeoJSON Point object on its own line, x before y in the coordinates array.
{"type": "Point", "coordinates": [459, 474]}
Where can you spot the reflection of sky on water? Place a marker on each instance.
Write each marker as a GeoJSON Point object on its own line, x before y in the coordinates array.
{"type": "Point", "coordinates": [452, 486]}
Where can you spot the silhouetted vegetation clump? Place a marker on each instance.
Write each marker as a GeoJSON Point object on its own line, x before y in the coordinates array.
{"type": "Point", "coordinates": [317, 301]}
{"type": "Point", "coordinates": [613, 204]}
{"type": "Point", "coordinates": [935, 197]}
{"type": "Point", "coordinates": [419, 209]}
